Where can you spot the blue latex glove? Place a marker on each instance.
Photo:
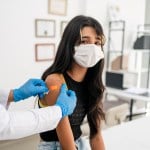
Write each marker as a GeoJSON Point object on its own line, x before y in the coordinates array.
{"type": "Point", "coordinates": [32, 87]}
{"type": "Point", "coordinates": [66, 100]}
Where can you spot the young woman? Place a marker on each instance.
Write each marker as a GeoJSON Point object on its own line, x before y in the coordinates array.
{"type": "Point", "coordinates": [78, 63]}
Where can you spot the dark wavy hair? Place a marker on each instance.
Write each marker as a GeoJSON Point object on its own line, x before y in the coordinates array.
{"type": "Point", "coordinates": [63, 62]}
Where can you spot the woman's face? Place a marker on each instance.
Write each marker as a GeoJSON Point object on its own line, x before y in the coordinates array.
{"type": "Point", "coordinates": [89, 36]}
{"type": "Point", "coordinates": [88, 51]}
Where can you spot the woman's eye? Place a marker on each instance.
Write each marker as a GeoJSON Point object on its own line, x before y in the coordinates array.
{"type": "Point", "coordinates": [84, 42]}
{"type": "Point", "coordinates": [98, 43]}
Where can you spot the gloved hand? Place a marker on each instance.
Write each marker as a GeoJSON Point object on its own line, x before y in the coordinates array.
{"type": "Point", "coordinates": [32, 87]}
{"type": "Point", "coordinates": [66, 100]}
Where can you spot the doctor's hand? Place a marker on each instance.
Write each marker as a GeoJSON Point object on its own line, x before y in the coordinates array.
{"type": "Point", "coordinates": [32, 87]}
{"type": "Point", "coordinates": [66, 100]}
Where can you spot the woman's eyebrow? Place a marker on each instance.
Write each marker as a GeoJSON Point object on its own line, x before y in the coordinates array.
{"type": "Point", "coordinates": [85, 37]}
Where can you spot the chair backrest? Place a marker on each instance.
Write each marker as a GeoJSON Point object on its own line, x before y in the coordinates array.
{"type": "Point", "coordinates": [117, 114]}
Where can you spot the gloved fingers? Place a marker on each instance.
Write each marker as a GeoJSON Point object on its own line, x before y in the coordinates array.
{"type": "Point", "coordinates": [40, 85]}
{"type": "Point", "coordinates": [63, 88]}
{"type": "Point", "coordinates": [40, 90]}
{"type": "Point", "coordinates": [71, 93]}
{"type": "Point", "coordinates": [39, 82]}
{"type": "Point", "coordinates": [72, 96]}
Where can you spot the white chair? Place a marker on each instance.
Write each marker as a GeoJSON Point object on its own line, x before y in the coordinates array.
{"type": "Point", "coordinates": [117, 114]}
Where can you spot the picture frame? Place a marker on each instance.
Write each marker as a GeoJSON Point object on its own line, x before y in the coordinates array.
{"type": "Point", "coordinates": [44, 52]}
{"type": "Point", "coordinates": [57, 7]}
{"type": "Point", "coordinates": [63, 25]}
{"type": "Point", "coordinates": [45, 28]}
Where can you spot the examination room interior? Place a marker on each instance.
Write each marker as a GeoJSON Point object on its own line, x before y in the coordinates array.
{"type": "Point", "coordinates": [30, 31]}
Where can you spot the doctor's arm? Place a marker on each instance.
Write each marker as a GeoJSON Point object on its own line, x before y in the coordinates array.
{"type": "Point", "coordinates": [19, 124]}
{"type": "Point", "coordinates": [32, 87]}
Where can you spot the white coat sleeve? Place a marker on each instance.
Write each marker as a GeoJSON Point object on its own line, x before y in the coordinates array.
{"type": "Point", "coordinates": [4, 97]}
{"type": "Point", "coordinates": [18, 124]}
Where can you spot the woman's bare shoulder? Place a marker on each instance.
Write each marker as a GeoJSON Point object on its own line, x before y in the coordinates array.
{"type": "Point", "coordinates": [53, 79]}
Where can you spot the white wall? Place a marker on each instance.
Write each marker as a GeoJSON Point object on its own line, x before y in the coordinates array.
{"type": "Point", "coordinates": [17, 38]}
{"type": "Point", "coordinates": [147, 12]}
{"type": "Point", "coordinates": [134, 14]}
{"type": "Point", "coordinates": [132, 11]}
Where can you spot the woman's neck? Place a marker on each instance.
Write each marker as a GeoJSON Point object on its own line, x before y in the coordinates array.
{"type": "Point", "coordinates": [77, 72]}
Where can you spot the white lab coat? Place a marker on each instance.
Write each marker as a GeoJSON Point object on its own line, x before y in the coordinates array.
{"type": "Point", "coordinates": [18, 124]}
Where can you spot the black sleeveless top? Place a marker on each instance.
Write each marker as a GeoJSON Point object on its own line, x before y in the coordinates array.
{"type": "Point", "coordinates": [76, 118]}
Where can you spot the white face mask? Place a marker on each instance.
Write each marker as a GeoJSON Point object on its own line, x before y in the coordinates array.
{"type": "Point", "coordinates": [88, 55]}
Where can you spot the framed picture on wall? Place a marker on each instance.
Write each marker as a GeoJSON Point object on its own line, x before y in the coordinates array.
{"type": "Point", "coordinates": [45, 28]}
{"type": "Point", "coordinates": [44, 52]}
{"type": "Point", "coordinates": [63, 24]}
{"type": "Point", "coordinates": [57, 7]}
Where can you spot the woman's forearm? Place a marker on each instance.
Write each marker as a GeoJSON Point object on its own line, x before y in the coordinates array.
{"type": "Point", "coordinates": [65, 135]}
{"type": "Point", "coordinates": [97, 142]}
